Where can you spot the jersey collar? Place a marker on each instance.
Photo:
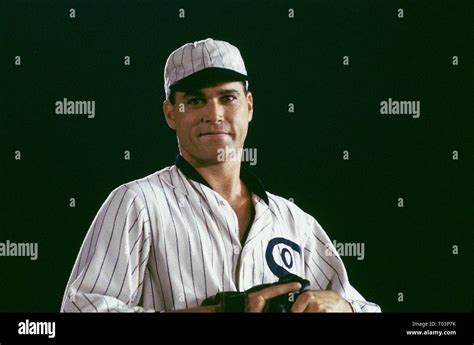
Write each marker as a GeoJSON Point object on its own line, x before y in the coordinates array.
{"type": "Point", "coordinates": [252, 182]}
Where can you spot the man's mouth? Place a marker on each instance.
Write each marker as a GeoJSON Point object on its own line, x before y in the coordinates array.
{"type": "Point", "coordinates": [214, 133]}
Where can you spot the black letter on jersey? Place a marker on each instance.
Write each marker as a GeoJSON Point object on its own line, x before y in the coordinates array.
{"type": "Point", "coordinates": [286, 256]}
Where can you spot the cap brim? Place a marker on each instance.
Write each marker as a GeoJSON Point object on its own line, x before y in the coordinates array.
{"type": "Point", "coordinates": [207, 77]}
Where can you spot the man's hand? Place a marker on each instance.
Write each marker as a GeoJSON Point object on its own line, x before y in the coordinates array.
{"type": "Point", "coordinates": [325, 301]}
{"type": "Point", "coordinates": [256, 300]}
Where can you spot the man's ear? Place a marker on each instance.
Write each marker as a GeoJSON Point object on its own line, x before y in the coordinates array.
{"type": "Point", "coordinates": [250, 105]}
{"type": "Point", "coordinates": [168, 111]}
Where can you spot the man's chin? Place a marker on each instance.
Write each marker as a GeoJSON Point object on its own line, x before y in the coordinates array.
{"type": "Point", "coordinates": [213, 156]}
{"type": "Point", "coordinates": [213, 152]}
{"type": "Point", "coordinates": [209, 157]}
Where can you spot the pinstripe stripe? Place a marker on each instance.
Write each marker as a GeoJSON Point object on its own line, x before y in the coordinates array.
{"type": "Point", "coordinates": [74, 304]}
{"type": "Point", "coordinates": [92, 237]}
{"type": "Point", "coordinates": [315, 279]}
{"type": "Point", "coordinates": [161, 290]}
{"type": "Point", "coordinates": [134, 292]}
{"type": "Point", "coordinates": [121, 240]}
{"type": "Point", "coordinates": [108, 244]}
{"type": "Point", "coordinates": [202, 53]}
{"type": "Point", "coordinates": [243, 276]}
{"type": "Point", "coordinates": [223, 276]}
{"type": "Point", "coordinates": [229, 267]}
{"type": "Point", "coordinates": [153, 254]}
{"type": "Point", "coordinates": [263, 262]}
{"type": "Point", "coordinates": [253, 268]}
{"type": "Point", "coordinates": [208, 54]}
{"type": "Point", "coordinates": [136, 266]}
{"type": "Point", "coordinates": [199, 235]}
{"type": "Point", "coordinates": [123, 280]}
{"type": "Point", "coordinates": [209, 234]}
{"type": "Point", "coordinates": [291, 213]}
{"type": "Point", "coordinates": [279, 215]}
{"type": "Point", "coordinates": [174, 65]}
{"type": "Point", "coordinates": [140, 264]}
{"type": "Point", "coordinates": [274, 214]}
{"type": "Point", "coordinates": [177, 250]}
{"type": "Point", "coordinates": [256, 234]}
{"type": "Point", "coordinates": [335, 271]}
{"type": "Point", "coordinates": [184, 66]}
{"type": "Point", "coordinates": [189, 244]}
{"type": "Point", "coordinates": [192, 61]}
{"type": "Point", "coordinates": [320, 269]}
{"type": "Point", "coordinates": [166, 251]}
{"type": "Point", "coordinates": [135, 243]}
{"type": "Point", "coordinates": [153, 245]}
{"type": "Point", "coordinates": [220, 236]}
{"type": "Point", "coordinates": [192, 273]}
{"type": "Point", "coordinates": [88, 300]}
{"type": "Point", "coordinates": [97, 241]}
{"type": "Point", "coordinates": [258, 222]}
{"type": "Point", "coordinates": [334, 254]}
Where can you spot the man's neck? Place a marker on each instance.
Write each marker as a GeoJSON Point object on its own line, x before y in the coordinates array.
{"type": "Point", "coordinates": [224, 178]}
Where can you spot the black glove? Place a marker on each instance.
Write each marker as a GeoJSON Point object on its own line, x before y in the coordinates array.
{"type": "Point", "coordinates": [283, 303]}
{"type": "Point", "coordinates": [234, 301]}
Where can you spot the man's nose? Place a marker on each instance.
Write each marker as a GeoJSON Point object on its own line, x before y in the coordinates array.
{"type": "Point", "coordinates": [214, 112]}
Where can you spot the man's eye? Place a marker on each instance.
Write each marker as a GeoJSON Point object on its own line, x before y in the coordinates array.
{"type": "Point", "coordinates": [195, 101]}
{"type": "Point", "coordinates": [228, 98]}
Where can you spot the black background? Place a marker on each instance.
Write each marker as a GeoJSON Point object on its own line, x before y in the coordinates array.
{"type": "Point", "coordinates": [296, 61]}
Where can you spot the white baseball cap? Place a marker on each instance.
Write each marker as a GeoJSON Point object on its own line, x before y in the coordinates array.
{"type": "Point", "coordinates": [203, 60]}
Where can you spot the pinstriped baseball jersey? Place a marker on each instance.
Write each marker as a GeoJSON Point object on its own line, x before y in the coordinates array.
{"type": "Point", "coordinates": [168, 241]}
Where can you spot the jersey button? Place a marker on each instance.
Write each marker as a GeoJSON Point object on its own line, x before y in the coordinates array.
{"type": "Point", "coordinates": [181, 203]}
{"type": "Point", "coordinates": [236, 250]}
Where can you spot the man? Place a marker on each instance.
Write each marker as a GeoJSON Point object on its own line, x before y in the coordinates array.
{"type": "Point", "coordinates": [173, 239]}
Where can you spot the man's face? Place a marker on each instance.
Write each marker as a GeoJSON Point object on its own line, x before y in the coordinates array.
{"type": "Point", "coordinates": [210, 119]}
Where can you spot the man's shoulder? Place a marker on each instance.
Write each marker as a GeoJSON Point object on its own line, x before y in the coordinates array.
{"type": "Point", "coordinates": [289, 212]}
{"type": "Point", "coordinates": [286, 206]}
{"type": "Point", "coordinates": [150, 184]}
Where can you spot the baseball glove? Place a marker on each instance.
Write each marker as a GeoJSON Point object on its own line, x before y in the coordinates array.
{"type": "Point", "coordinates": [235, 301]}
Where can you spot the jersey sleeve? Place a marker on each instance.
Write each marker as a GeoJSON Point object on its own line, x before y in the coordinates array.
{"type": "Point", "coordinates": [109, 271]}
{"type": "Point", "coordinates": [325, 269]}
